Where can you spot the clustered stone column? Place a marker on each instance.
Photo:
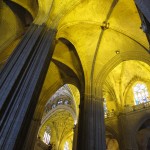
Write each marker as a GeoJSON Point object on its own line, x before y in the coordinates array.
{"type": "Point", "coordinates": [21, 81]}
{"type": "Point", "coordinates": [144, 6]}
{"type": "Point", "coordinates": [91, 135]}
{"type": "Point", "coordinates": [31, 137]}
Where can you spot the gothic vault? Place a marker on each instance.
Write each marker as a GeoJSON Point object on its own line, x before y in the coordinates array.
{"type": "Point", "coordinates": [68, 65]}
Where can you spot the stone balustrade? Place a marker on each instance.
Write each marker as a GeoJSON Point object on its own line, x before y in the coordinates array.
{"type": "Point", "coordinates": [128, 109]}
{"type": "Point", "coordinates": [141, 106]}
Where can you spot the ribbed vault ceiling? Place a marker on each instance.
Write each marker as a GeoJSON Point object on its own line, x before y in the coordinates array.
{"type": "Point", "coordinates": [101, 34]}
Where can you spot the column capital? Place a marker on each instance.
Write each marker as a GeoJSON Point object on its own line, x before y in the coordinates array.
{"type": "Point", "coordinates": [94, 97]}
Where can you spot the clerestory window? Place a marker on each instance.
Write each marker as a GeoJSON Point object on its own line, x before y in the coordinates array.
{"type": "Point", "coordinates": [47, 137]}
{"type": "Point", "coordinates": [140, 93]}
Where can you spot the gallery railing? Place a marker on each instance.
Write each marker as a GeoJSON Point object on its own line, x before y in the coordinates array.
{"type": "Point", "coordinates": [127, 109]}
{"type": "Point", "coordinates": [137, 107]}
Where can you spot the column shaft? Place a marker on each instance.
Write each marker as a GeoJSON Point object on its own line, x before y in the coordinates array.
{"type": "Point", "coordinates": [144, 6]}
{"type": "Point", "coordinates": [91, 125]}
{"type": "Point", "coordinates": [31, 137]}
{"type": "Point", "coordinates": [21, 81]}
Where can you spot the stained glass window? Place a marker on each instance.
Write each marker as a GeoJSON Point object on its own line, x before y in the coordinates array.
{"type": "Point", "coordinates": [66, 102]}
{"type": "Point", "coordinates": [54, 105]}
{"type": "Point", "coordinates": [140, 93]}
{"type": "Point", "coordinates": [60, 102]}
{"type": "Point", "coordinates": [66, 146]}
{"type": "Point", "coordinates": [47, 137]}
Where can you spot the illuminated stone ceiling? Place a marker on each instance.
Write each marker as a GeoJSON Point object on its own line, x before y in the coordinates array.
{"type": "Point", "coordinates": [118, 86]}
{"type": "Point", "coordinates": [61, 126]}
{"type": "Point", "coordinates": [60, 117]}
{"type": "Point", "coordinates": [94, 36]}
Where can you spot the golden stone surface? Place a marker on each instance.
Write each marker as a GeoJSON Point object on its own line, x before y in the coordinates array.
{"type": "Point", "coordinates": [109, 54]}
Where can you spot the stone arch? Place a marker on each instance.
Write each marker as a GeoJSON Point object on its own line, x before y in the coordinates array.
{"type": "Point", "coordinates": [46, 95]}
{"type": "Point", "coordinates": [143, 135]}
{"type": "Point", "coordinates": [23, 13]}
{"type": "Point", "coordinates": [68, 75]}
{"type": "Point", "coordinates": [70, 42]}
{"type": "Point", "coordinates": [112, 139]}
{"type": "Point", "coordinates": [71, 47]}
{"type": "Point", "coordinates": [112, 131]}
{"type": "Point", "coordinates": [112, 63]}
{"type": "Point", "coordinates": [61, 122]}
{"type": "Point", "coordinates": [58, 109]}
{"type": "Point", "coordinates": [77, 75]}
{"type": "Point", "coordinates": [140, 122]}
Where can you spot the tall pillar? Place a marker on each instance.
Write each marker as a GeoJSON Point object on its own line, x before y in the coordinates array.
{"type": "Point", "coordinates": [91, 131]}
{"type": "Point", "coordinates": [31, 137]}
{"type": "Point", "coordinates": [144, 6]}
{"type": "Point", "coordinates": [126, 125]}
{"type": "Point", "coordinates": [21, 81]}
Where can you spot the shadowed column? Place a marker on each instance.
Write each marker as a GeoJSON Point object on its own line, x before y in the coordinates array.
{"type": "Point", "coordinates": [21, 81]}
{"type": "Point", "coordinates": [91, 131]}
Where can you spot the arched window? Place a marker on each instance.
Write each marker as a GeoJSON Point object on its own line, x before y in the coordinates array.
{"type": "Point", "coordinates": [54, 105]}
{"type": "Point", "coordinates": [66, 146]}
{"type": "Point", "coordinates": [60, 102]}
{"type": "Point", "coordinates": [66, 102]}
{"type": "Point", "coordinates": [140, 93]}
{"type": "Point", "coordinates": [47, 137]}
{"type": "Point", "coordinates": [105, 107]}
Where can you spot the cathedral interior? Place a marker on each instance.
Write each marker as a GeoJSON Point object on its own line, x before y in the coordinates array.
{"type": "Point", "coordinates": [75, 75]}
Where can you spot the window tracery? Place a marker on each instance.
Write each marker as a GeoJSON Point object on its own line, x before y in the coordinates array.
{"type": "Point", "coordinates": [66, 102]}
{"type": "Point", "coordinates": [140, 93]}
{"type": "Point", "coordinates": [60, 102]}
